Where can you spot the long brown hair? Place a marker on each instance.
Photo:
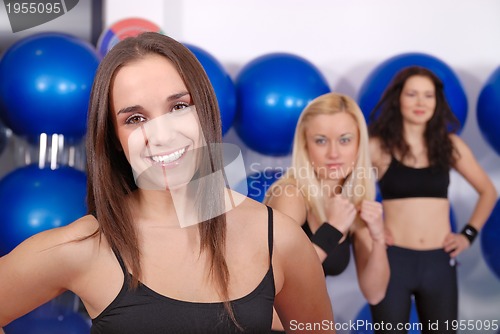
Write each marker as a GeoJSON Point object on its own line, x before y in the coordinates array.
{"type": "Point", "coordinates": [110, 177]}
{"type": "Point", "coordinates": [386, 121]}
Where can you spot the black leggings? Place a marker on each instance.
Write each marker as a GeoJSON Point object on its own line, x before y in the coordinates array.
{"type": "Point", "coordinates": [431, 279]}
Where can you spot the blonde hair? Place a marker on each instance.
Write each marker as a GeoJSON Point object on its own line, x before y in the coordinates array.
{"type": "Point", "coordinates": [302, 173]}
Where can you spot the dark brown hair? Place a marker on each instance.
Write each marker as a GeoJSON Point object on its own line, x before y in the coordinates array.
{"type": "Point", "coordinates": [386, 121]}
{"type": "Point", "coordinates": [110, 177]}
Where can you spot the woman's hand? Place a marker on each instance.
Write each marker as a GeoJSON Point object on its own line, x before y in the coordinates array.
{"type": "Point", "coordinates": [340, 213]}
{"type": "Point", "coordinates": [455, 243]}
{"type": "Point", "coordinates": [372, 214]}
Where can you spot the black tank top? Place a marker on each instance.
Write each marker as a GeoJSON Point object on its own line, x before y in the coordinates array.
{"type": "Point", "coordinates": [401, 181]}
{"type": "Point", "coordinates": [143, 311]}
{"type": "Point", "coordinates": [337, 260]}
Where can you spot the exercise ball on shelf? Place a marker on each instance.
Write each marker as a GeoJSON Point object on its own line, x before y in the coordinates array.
{"type": "Point", "coordinates": [377, 81]}
{"type": "Point", "coordinates": [33, 200]}
{"type": "Point", "coordinates": [222, 83]}
{"type": "Point", "coordinates": [272, 90]}
{"type": "Point", "coordinates": [45, 83]}
{"type": "Point", "coordinates": [488, 110]}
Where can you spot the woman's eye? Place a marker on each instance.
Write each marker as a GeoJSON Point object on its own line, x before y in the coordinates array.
{"type": "Point", "coordinates": [180, 106]}
{"type": "Point", "coordinates": [135, 119]}
{"type": "Point", "coordinates": [320, 141]}
{"type": "Point", "coordinates": [345, 140]}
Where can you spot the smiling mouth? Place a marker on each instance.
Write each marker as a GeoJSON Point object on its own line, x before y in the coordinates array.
{"type": "Point", "coordinates": [168, 158]}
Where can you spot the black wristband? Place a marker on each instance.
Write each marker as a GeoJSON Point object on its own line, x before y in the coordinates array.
{"type": "Point", "coordinates": [327, 237]}
{"type": "Point", "coordinates": [470, 233]}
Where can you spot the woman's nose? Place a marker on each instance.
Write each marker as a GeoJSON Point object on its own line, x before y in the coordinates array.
{"type": "Point", "coordinates": [420, 100]}
{"type": "Point", "coordinates": [158, 131]}
{"type": "Point", "coordinates": [333, 150]}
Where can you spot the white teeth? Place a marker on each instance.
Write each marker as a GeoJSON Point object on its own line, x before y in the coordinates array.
{"type": "Point", "coordinates": [165, 159]}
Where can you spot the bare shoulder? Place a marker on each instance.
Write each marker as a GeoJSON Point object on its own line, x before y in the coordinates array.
{"type": "Point", "coordinates": [78, 229]}
{"type": "Point", "coordinates": [467, 165]}
{"type": "Point", "coordinates": [64, 247]}
{"type": "Point", "coordinates": [462, 152]}
{"type": "Point", "coordinates": [288, 236]}
{"type": "Point", "coordinates": [290, 241]}
{"type": "Point", "coordinates": [286, 197]}
{"type": "Point", "coordinates": [458, 143]}
{"type": "Point", "coordinates": [252, 217]}
{"type": "Point", "coordinates": [80, 236]}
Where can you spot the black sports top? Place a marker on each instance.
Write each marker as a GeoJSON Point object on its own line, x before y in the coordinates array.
{"type": "Point", "coordinates": [144, 311]}
{"type": "Point", "coordinates": [336, 261]}
{"type": "Point", "coordinates": [401, 181]}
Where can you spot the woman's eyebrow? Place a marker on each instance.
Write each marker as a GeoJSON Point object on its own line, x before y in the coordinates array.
{"type": "Point", "coordinates": [177, 96]}
{"type": "Point", "coordinates": [135, 108]}
{"type": "Point", "coordinates": [129, 110]}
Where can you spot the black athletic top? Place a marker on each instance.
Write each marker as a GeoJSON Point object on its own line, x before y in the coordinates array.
{"type": "Point", "coordinates": [143, 311]}
{"type": "Point", "coordinates": [401, 181]}
{"type": "Point", "coordinates": [336, 260]}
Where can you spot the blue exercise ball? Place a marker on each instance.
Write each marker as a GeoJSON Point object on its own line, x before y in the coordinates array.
{"type": "Point", "coordinates": [488, 110]}
{"type": "Point", "coordinates": [256, 184]}
{"type": "Point", "coordinates": [222, 83]}
{"type": "Point", "coordinates": [4, 137]}
{"type": "Point", "coordinates": [45, 83]}
{"type": "Point", "coordinates": [490, 241]}
{"type": "Point", "coordinates": [272, 90]}
{"type": "Point", "coordinates": [33, 200]}
{"type": "Point", "coordinates": [374, 85]}
{"type": "Point", "coordinates": [50, 319]}
{"type": "Point", "coordinates": [365, 325]}
{"type": "Point", "coordinates": [378, 194]}
{"type": "Point", "coordinates": [453, 220]}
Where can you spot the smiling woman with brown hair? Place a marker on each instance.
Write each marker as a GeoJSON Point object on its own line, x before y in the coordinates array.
{"type": "Point", "coordinates": [168, 248]}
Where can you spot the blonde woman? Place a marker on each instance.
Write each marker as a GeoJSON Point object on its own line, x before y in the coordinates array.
{"type": "Point", "coordinates": [330, 189]}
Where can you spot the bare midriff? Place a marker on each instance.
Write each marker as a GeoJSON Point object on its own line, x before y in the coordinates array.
{"type": "Point", "coordinates": [418, 223]}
